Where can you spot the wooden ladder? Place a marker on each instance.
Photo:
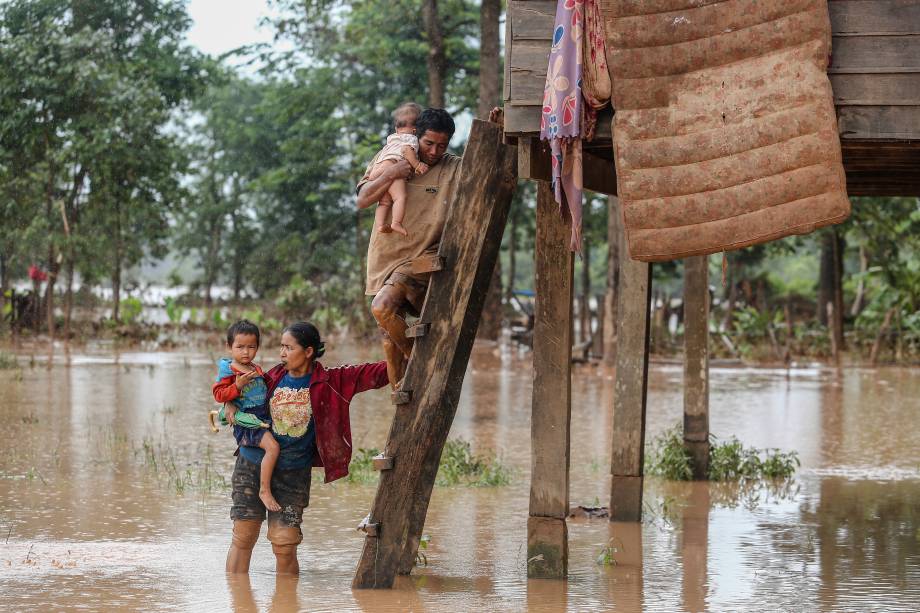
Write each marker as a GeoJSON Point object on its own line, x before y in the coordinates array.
{"type": "Point", "coordinates": [427, 400]}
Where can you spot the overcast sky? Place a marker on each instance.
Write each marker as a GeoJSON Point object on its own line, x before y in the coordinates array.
{"type": "Point", "coordinates": [220, 26]}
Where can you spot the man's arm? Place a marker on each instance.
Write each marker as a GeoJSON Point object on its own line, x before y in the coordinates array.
{"type": "Point", "coordinates": [373, 190]}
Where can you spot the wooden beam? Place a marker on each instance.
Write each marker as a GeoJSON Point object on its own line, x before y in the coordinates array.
{"type": "Point", "coordinates": [430, 262]}
{"type": "Point", "coordinates": [547, 537]}
{"type": "Point", "coordinates": [630, 387]}
{"type": "Point", "coordinates": [880, 17]}
{"type": "Point", "coordinates": [696, 363]}
{"type": "Point", "coordinates": [470, 243]}
{"type": "Point", "coordinates": [534, 162]}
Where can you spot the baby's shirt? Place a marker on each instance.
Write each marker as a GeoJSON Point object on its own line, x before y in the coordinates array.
{"type": "Point", "coordinates": [403, 140]}
{"type": "Point", "coordinates": [251, 397]}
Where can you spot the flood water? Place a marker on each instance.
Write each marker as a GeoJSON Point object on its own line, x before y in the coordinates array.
{"type": "Point", "coordinates": [86, 521]}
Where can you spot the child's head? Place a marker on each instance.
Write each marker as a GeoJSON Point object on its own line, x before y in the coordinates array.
{"type": "Point", "coordinates": [405, 115]}
{"type": "Point", "coordinates": [243, 341]}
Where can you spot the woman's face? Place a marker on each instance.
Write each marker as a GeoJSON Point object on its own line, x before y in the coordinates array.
{"type": "Point", "coordinates": [293, 356]}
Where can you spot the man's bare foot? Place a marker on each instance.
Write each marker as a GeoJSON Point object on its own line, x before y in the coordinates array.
{"type": "Point", "coordinates": [269, 501]}
{"type": "Point", "coordinates": [384, 229]}
{"type": "Point", "coordinates": [399, 228]}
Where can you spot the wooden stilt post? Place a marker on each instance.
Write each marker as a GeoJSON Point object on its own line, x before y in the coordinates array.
{"type": "Point", "coordinates": [632, 326]}
{"type": "Point", "coordinates": [696, 363]}
{"type": "Point", "coordinates": [614, 238]}
{"type": "Point", "coordinates": [695, 548]}
{"type": "Point", "coordinates": [469, 248]}
{"type": "Point", "coordinates": [547, 536]}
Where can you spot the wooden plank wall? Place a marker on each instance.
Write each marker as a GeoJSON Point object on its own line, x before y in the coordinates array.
{"type": "Point", "coordinates": [875, 73]}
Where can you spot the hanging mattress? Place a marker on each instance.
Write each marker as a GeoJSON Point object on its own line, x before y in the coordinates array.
{"type": "Point", "coordinates": [724, 134]}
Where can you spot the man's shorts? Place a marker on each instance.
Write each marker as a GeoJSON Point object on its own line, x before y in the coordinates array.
{"type": "Point", "coordinates": [291, 488]}
{"type": "Point", "coordinates": [414, 286]}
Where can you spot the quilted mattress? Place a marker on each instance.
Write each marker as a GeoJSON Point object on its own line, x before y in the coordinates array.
{"type": "Point", "coordinates": [724, 134]}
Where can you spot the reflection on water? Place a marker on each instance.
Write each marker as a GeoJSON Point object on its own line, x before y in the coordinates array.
{"type": "Point", "coordinates": [89, 521]}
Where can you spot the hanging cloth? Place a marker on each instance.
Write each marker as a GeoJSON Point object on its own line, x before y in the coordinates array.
{"type": "Point", "coordinates": [568, 115]}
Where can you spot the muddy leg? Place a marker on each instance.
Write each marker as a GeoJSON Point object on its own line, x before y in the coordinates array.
{"type": "Point", "coordinates": [284, 541]}
{"type": "Point", "coordinates": [245, 535]}
{"type": "Point", "coordinates": [386, 308]}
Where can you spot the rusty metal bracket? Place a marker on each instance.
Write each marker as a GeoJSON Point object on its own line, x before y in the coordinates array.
{"type": "Point", "coordinates": [417, 330]}
{"type": "Point", "coordinates": [401, 397]}
{"type": "Point", "coordinates": [368, 527]}
{"type": "Point", "coordinates": [382, 462]}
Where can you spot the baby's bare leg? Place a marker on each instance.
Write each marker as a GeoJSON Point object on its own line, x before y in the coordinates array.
{"type": "Point", "coordinates": [272, 450]}
{"type": "Point", "coordinates": [397, 191]}
{"type": "Point", "coordinates": [383, 206]}
{"type": "Point", "coordinates": [380, 217]}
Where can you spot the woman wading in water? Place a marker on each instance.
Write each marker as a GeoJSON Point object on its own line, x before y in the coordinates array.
{"type": "Point", "coordinates": [308, 405]}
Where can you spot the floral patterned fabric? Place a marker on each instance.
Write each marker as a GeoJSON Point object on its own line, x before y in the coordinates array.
{"type": "Point", "coordinates": [567, 115]}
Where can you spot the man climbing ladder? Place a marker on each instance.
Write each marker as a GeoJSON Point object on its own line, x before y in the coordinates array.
{"type": "Point", "coordinates": [396, 288]}
{"type": "Point", "coordinates": [479, 197]}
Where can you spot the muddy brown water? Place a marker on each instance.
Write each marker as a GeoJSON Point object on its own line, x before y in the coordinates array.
{"type": "Point", "coordinates": [87, 524]}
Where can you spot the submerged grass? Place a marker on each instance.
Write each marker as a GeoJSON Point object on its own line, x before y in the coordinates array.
{"type": "Point", "coordinates": [8, 361]}
{"type": "Point", "coordinates": [178, 474]}
{"type": "Point", "coordinates": [729, 460]}
{"type": "Point", "coordinates": [459, 466]}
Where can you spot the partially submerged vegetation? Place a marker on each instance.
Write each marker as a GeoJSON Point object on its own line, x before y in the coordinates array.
{"type": "Point", "coordinates": [459, 466]}
{"type": "Point", "coordinates": [8, 361]}
{"type": "Point", "coordinates": [177, 473]}
{"type": "Point", "coordinates": [729, 460]}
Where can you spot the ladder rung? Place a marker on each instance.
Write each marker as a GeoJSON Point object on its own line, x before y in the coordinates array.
{"type": "Point", "coordinates": [382, 462]}
{"type": "Point", "coordinates": [402, 397]}
{"type": "Point", "coordinates": [417, 330]}
{"type": "Point", "coordinates": [427, 263]}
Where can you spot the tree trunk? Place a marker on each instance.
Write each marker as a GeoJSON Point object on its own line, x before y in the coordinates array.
{"type": "Point", "coordinates": [237, 263]}
{"type": "Point", "coordinates": [436, 60]}
{"type": "Point", "coordinates": [53, 268]}
{"type": "Point", "coordinates": [116, 272]}
{"type": "Point", "coordinates": [512, 262]}
{"type": "Point", "coordinates": [880, 336]}
{"type": "Point", "coordinates": [68, 298]}
{"type": "Point", "coordinates": [4, 288]}
{"type": "Point", "coordinates": [731, 295]}
{"type": "Point", "coordinates": [614, 233]}
{"type": "Point", "coordinates": [211, 265]}
{"type": "Point", "coordinates": [585, 291]}
{"type": "Point", "coordinates": [489, 58]}
{"type": "Point", "coordinates": [826, 275]}
{"type": "Point", "coordinates": [490, 326]}
{"type": "Point", "coordinates": [860, 301]}
{"type": "Point", "coordinates": [837, 323]}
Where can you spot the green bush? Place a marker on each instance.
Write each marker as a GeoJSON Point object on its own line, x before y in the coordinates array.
{"type": "Point", "coordinates": [666, 457]}
{"type": "Point", "coordinates": [130, 310]}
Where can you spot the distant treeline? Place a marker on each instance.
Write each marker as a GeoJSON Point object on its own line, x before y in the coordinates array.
{"type": "Point", "coordinates": [120, 142]}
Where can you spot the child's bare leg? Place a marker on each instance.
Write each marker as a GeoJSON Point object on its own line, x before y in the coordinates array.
{"type": "Point", "coordinates": [380, 217]}
{"type": "Point", "coordinates": [397, 192]}
{"type": "Point", "coordinates": [272, 450]}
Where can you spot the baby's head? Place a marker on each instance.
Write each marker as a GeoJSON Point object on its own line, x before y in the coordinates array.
{"type": "Point", "coordinates": [243, 341]}
{"type": "Point", "coordinates": [404, 117]}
